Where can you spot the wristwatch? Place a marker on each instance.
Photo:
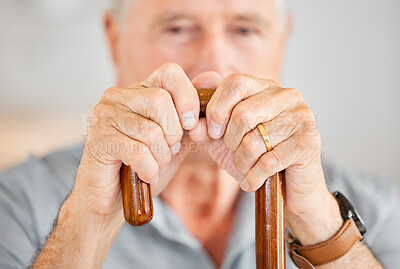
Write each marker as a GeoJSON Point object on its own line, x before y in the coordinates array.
{"type": "Point", "coordinates": [348, 211]}
{"type": "Point", "coordinates": [352, 231]}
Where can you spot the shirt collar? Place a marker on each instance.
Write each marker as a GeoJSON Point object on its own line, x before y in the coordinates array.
{"type": "Point", "coordinates": [170, 226]}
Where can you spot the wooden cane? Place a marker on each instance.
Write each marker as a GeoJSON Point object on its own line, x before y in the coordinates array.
{"type": "Point", "coordinates": [270, 217]}
{"type": "Point", "coordinates": [270, 222]}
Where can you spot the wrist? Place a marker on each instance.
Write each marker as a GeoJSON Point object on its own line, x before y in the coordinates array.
{"type": "Point", "coordinates": [96, 207]}
{"type": "Point", "coordinates": [86, 232]}
{"type": "Point", "coordinates": [318, 223]}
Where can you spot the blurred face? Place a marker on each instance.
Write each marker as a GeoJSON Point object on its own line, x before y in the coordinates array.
{"type": "Point", "coordinates": [225, 36]}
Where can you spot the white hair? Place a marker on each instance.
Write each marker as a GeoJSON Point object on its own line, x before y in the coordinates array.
{"type": "Point", "coordinates": [119, 7]}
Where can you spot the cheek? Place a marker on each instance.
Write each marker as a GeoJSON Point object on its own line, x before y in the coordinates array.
{"type": "Point", "coordinates": [134, 65]}
{"type": "Point", "coordinates": [141, 59]}
{"type": "Point", "coordinates": [260, 58]}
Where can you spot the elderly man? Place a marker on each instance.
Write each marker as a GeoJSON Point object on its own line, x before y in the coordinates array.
{"type": "Point", "coordinates": [203, 171]}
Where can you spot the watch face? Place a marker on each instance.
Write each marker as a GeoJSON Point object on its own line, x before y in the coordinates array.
{"type": "Point", "coordinates": [347, 211]}
{"type": "Point", "coordinates": [359, 222]}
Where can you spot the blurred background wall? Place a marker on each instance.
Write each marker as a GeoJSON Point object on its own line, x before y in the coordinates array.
{"type": "Point", "coordinates": [343, 55]}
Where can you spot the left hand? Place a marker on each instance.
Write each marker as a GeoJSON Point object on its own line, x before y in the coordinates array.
{"type": "Point", "coordinates": [238, 105]}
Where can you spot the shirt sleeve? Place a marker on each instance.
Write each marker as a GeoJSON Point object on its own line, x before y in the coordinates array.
{"type": "Point", "coordinates": [18, 240]}
{"type": "Point", "coordinates": [376, 199]}
{"type": "Point", "coordinates": [385, 245]}
{"type": "Point", "coordinates": [31, 194]}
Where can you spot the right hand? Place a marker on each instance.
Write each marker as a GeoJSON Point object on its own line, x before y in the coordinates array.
{"type": "Point", "coordinates": [140, 126]}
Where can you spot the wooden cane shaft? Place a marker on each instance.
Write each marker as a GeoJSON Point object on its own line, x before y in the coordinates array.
{"type": "Point", "coordinates": [270, 224]}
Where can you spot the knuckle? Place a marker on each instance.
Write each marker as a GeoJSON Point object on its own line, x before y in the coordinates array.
{"type": "Point", "coordinates": [170, 68]}
{"type": "Point", "coordinates": [132, 126]}
{"type": "Point", "coordinates": [102, 110]}
{"type": "Point", "coordinates": [96, 110]}
{"type": "Point", "coordinates": [267, 165]}
{"type": "Point", "coordinates": [250, 144]}
{"type": "Point", "coordinates": [315, 139]}
{"type": "Point", "coordinates": [307, 114]}
{"type": "Point", "coordinates": [93, 119]}
{"type": "Point", "coordinates": [234, 82]}
{"type": "Point", "coordinates": [110, 93]}
{"type": "Point", "coordinates": [154, 132]}
{"type": "Point", "coordinates": [100, 145]}
{"type": "Point", "coordinates": [93, 138]}
{"type": "Point", "coordinates": [148, 174]}
{"type": "Point", "coordinates": [255, 183]}
{"type": "Point", "coordinates": [217, 113]}
{"type": "Point", "coordinates": [160, 98]}
{"type": "Point", "coordinates": [293, 93]}
{"type": "Point", "coordinates": [236, 78]}
{"type": "Point", "coordinates": [272, 82]}
{"type": "Point", "coordinates": [310, 141]}
{"type": "Point", "coordinates": [241, 163]}
{"type": "Point", "coordinates": [140, 160]}
{"type": "Point", "coordinates": [242, 116]}
{"type": "Point", "coordinates": [310, 128]}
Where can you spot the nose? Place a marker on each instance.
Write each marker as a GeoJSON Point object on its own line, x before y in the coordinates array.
{"type": "Point", "coordinates": [214, 54]}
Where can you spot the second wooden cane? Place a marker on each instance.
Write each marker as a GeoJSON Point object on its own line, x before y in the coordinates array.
{"type": "Point", "coordinates": [270, 218]}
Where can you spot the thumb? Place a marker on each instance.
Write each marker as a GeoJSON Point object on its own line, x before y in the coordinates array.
{"type": "Point", "coordinates": [209, 79]}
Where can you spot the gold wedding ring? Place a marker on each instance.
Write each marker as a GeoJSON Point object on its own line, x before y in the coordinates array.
{"type": "Point", "coordinates": [265, 136]}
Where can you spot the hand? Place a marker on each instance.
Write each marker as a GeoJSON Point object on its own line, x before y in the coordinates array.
{"type": "Point", "coordinates": [239, 104]}
{"type": "Point", "coordinates": [140, 126]}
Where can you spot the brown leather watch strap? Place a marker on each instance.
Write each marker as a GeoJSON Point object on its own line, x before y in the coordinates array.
{"type": "Point", "coordinates": [325, 252]}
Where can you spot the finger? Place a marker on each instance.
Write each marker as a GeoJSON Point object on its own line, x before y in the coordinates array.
{"type": "Point", "coordinates": [206, 80]}
{"type": "Point", "coordinates": [253, 145]}
{"type": "Point", "coordinates": [130, 152]}
{"type": "Point", "coordinates": [265, 167]}
{"type": "Point", "coordinates": [154, 104]}
{"type": "Point", "coordinates": [199, 134]}
{"type": "Point", "coordinates": [261, 107]}
{"type": "Point", "coordinates": [140, 129]}
{"type": "Point", "coordinates": [232, 90]}
{"type": "Point", "coordinates": [290, 122]}
{"type": "Point", "coordinates": [292, 152]}
{"type": "Point", "coordinates": [216, 149]}
{"type": "Point", "coordinates": [172, 78]}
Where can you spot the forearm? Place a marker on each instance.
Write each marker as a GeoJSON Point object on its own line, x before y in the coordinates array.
{"type": "Point", "coordinates": [79, 239]}
{"type": "Point", "coordinates": [359, 256]}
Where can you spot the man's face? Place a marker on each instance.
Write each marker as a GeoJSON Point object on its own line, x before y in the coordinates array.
{"type": "Point", "coordinates": [225, 36]}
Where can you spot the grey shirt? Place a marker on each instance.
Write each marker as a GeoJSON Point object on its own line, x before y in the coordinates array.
{"type": "Point", "coordinates": [32, 192]}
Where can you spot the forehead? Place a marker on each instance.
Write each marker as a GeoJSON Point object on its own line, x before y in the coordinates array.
{"type": "Point", "coordinates": [159, 8]}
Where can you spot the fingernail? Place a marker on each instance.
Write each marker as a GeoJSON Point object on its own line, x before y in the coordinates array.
{"type": "Point", "coordinates": [154, 179]}
{"type": "Point", "coordinates": [189, 120]}
{"type": "Point", "coordinates": [214, 130]}
{"type": "Point", "coordinates": [244, 185]}
{"type": "Point", "coordinates": [176, 148]}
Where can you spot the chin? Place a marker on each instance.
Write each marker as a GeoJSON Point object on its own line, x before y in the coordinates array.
{"type": "Point", "coordinates": [197, 154]}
